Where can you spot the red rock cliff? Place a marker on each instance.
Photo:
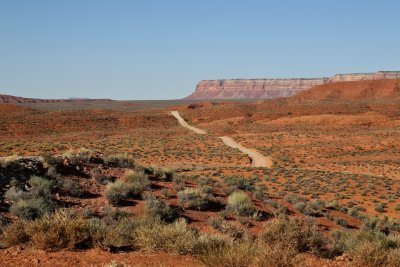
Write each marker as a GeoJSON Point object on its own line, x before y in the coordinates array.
{"type": "Point", "coordinates": [274, 88]}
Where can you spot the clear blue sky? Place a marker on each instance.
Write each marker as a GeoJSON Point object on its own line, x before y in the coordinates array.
{"type": "Point", "coordinates": [149, 49]}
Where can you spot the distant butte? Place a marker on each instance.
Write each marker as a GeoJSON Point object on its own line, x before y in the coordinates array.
{"type": "Point", "coordinates": [275, 88]}
{"type": "Point", "coordinates": [9, 99]}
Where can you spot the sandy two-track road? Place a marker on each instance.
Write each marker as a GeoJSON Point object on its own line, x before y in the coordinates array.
{"type": "Point", "coordinates": [185, 124]}
{"type": "Point", "coordinates": [257, 159]}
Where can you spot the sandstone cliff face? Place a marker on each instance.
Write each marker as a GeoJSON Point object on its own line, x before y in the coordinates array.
{"type": "Point", "coordinates": [274, 88]}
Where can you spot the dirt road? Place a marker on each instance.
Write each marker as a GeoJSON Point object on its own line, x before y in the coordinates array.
{"type": "Point", "coordinates": [185, 124]}
{"type": "Point", "coordinates": [258, 160]}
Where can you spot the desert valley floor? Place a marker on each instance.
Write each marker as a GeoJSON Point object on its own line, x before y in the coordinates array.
{"type": "Point", "coordinates": [329, 157]}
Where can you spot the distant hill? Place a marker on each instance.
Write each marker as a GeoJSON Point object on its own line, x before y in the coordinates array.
{"type": "Point", "coordinates": [353, 90]}
{"type": "Point", "coordinates": [9, 99]}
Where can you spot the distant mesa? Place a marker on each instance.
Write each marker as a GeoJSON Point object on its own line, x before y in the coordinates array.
{"type": "Point", "coordinates": [9, 99]}
{"type": "Point", "coordinates": [78, 98]}
{"type": "Point", "coordinates": [275, 88]}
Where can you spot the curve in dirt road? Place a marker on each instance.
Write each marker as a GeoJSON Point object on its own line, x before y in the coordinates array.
{"type": "Point", "coordinates": [258, 160]}
{"type": "Point", "coordinates": [185, 124]}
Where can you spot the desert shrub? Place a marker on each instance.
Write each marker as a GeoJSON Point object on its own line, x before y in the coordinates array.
{"type": "Point", "coordinates": [209, 241]}
{"type": "Point", "coordinates": [40, 187]}
{"type": "Point", "coordinates": [176, 237]}
{"type": "Point", "coordinates": [52, 173]}
{"type": "Point", "coordinates": [370, 254]}
{"type": "Point", "coordinates": [369, 223]}
{"type": "Point", "coordinates": [393, 257]}
{"type": "Point", "coordinates": [333, 205]}
{"type": "Point", "coordinates": [261, 193]}
{"type": "Point", "coordinates": [228, 255]}
{"type": "Point", "coordinates": [157, 208]}
{"type": "Point", "coordinates": [203, 181]}
{"type": "Point", "coordinates": [53, 162]}
{"type": "Point", "coordinates": [349, 240]}
{"type": "Point", "coordinates": [240, 203]}
{"type": "Point", "coordinates": [101, 178]}
{"type": "Point", "coordinates": [207, 189]}
{"type": "Point", "coordinates": [14, 194]}
{"type": "Point", "coordinates": [32, 208]}
{"type": "Point", "coordinates": [110, 215]}
{"type": "Point", "coordinates": [61, 230]}
{"type": "Point", "coordinates": [369, 248]}
{"type": "Point", "coordinates": [79, 157]}
{"type": "Point", "coordinates": [120, 160]}
{"type": "Point", "coordinates": [276, 255]}
{"type": "Point", "coordinates": [299, 235]}
{"type": "Point", "coordinates": [340, 221]}
{"type": "Point", "coordinates": [139, 179]}
{"type": "Point", "coordinates": [73, 188]}
{"type": "Point", "coordinates": [162, 173]}
{"type": "Point", "coordinates": [166, 193]}
{"type": "Point", "coordinates": [115, 263]}
{"type": "Point", "coordinates": [380, 207]}
{"type": "Point", "coordinates": [14, 234]}
{"type": "Point", "coordinates": [193, 198]}
{"type": "Point", "coordinates": [397, 207]}
{"type": "Point", "coordinates": [3, 223]}
{"type": "Point", "coordinates": [229, 190]}
{"type": "Point", "coordinates": [225, 227]}
{"type": "Point", "coordinates": [293, 199]}
{"type": "Point", "coordinates": [241, 183]}
{"type": "Point", "coordinates": [300, 207]}
{"type": "Point", "coordinates": [116, 193]}
{"type": "Point", "coordinates": [121, 234]}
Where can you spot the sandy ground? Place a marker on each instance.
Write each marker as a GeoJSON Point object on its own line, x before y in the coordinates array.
{"type": "Point", "coordinates": [17, 256]}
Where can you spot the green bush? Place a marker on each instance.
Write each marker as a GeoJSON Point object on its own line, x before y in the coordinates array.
{"type": "Point", "coordinates": [79, 157]}
{"type": "Point", "coordinates": [73, 188]}
{"type": "Point", "coordinates": [116, 193]}
{"type": "Point", "coordinates": [240, 203]}
{"type": "Point", "coordinates": [120, 160]}
{"type": "Point", "coordinates": [14, 194]}
{"type": "Point", "coordinates": [41, 187]}
{"type": "Point", "coordinates": [261, 193]}
{"type": "Point", "coordinates": [228, 255]}
{"type": "Point", "coordinates": [139, 179]}
{"type": "Point", "coordinates": [101, 178]}
{"type": "Point", "coordinates": [121, 234]}
{"type": "Point", "coordinates": [157, 236]}
{"type": "Point", "coordinates": [340, 221]}
{"type": "Point", "coordinates": [32, 208]}
{"type": "Point", "coordinates": [157, 208]}
{"type": "Point", "coordinates": [380, 207]}
{"type": "Point", "coordinates": [14, 234]}
{"type": "Point", "coordinates": [193, 198]}
{"type": "Point", "coordinates": [61, 230]}
{"type": "Point", "coordinates": [241, 183]}
{"type": "Point", "coordinates": [225, 227]}
{"type": "Point", "coordinates": [162, 173]}
{"type": "Point", "coordinates": [301, 236]}
{"type": "Point", "coordinates": [369, 248]}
